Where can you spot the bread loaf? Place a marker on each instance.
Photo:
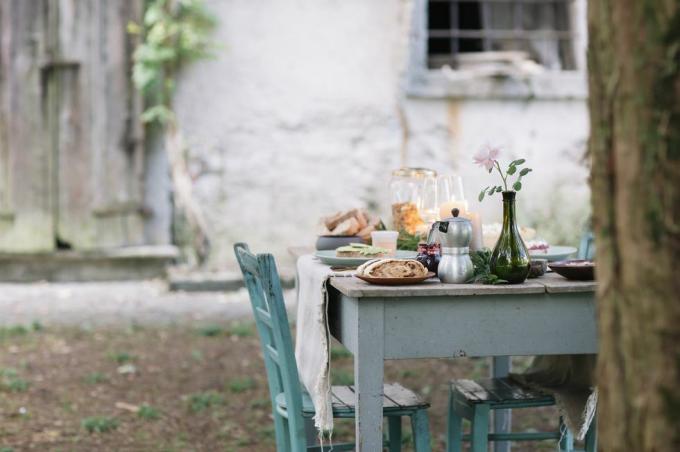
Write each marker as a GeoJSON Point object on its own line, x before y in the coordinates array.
{"type": "Point", "coordinates": [392, 268]}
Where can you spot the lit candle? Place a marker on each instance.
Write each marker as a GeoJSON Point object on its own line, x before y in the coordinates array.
{"type": "Point", "coordinates": [446, 208]}
{"type": "Point", "coordinates": [476, 243]}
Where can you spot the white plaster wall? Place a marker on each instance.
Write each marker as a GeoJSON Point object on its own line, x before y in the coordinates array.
{"type": "Point", "coordinates": [297, 117]}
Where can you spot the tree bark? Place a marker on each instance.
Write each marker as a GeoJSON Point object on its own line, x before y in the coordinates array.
{"type": "Point", "coordinates": [634, 78]}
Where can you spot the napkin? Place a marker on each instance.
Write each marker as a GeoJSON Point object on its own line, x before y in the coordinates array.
{"type": "Point", "coordinates": [312, 344]}
{"type": "Point", "coordinates": [569, 378]}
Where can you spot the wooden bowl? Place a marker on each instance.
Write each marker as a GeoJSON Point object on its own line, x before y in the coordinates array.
{"type": "Point", "coordinates": [576, 269]}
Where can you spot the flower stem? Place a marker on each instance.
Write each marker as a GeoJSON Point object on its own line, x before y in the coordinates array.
{"type": "Point", "coordinates": [505, 182]}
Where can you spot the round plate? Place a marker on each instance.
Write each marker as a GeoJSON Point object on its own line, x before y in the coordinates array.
{"type": "Point", "coordinates": [554, 253]}
{"type": "Point", "coordinates": [328, 257]}
{"type": "Point", "coordinates": [395, 281]}
{"type": "Point", "coordinates": [575, 272]}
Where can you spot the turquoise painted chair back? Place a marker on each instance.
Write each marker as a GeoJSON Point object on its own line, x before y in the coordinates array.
{"type": "Point", "coordinates": [266, 297]}
{"type": "Point", "coordinates": [586, 249]}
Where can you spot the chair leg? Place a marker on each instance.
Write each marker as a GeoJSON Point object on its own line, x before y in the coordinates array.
{"type": "Point", "coordinates": [591, 437]}
{"type": "Point", "coordinates": [566, 438]}
{"type": "Point", "coordinates": [420, 426]}
{"type": "Point", "coordinates": [480, 428]}
{"type": "Point", "coordinates": [286, 446]}
{"type": "Point", "coordinates": [454, 433]}
{"type": "Point", "coordinates": [394, 431]}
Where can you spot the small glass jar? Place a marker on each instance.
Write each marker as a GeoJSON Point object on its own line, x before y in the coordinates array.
{"type": "Point", "coordinates": [410, 192]}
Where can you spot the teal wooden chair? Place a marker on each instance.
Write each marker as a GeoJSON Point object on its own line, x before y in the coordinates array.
{"type": "Point", "coordinates": [290, 402]}
{"type": "Point", "coordinates": [474, 400]}
{"type": "Point", "coordinates": [586, 249]}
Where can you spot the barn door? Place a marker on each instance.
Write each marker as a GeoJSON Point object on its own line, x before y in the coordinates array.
{"type": "Point", "coordinates": [68, 63]}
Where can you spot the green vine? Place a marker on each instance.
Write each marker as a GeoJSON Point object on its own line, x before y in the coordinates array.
{"type": "Point", "coordinates": [173, 33]}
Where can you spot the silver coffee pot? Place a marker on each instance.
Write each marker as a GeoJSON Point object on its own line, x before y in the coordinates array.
{"type": "Point", "coordinates": [454, 235]}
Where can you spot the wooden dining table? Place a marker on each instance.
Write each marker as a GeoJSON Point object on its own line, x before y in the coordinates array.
{"type": "Point", "coordinates": [544, 316]}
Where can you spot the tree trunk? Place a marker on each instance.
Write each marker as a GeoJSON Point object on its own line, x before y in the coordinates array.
{"type": "Point", "coordinates": [634, 71]}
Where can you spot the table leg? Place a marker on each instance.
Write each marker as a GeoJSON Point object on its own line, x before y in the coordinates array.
{"type": "Point", "coordinates": [502, 419]}
{"type": "Point", "coordinates": [368, 375]}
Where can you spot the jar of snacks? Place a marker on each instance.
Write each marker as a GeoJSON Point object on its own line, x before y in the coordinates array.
{"type": "Point", "coordinates": [409, 189]}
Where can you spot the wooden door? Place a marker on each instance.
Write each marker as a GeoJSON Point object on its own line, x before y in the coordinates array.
{"type": "Point", "coordinates": [72, 167]}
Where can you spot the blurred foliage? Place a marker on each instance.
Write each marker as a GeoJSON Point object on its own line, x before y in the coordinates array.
{"type": "Point", "coordinates": [409, 242]}
{"type": "Point", "coordinates": [173, 33]}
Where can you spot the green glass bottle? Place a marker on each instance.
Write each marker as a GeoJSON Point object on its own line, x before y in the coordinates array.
{"type": "Point", "coordinates": [510, 258]}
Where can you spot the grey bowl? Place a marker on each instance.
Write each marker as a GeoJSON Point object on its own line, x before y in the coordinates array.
{"type": "Point", "coordinates": [331, 242]}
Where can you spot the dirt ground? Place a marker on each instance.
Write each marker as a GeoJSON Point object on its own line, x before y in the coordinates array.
{"type": "Point", "coordinates": [176, 389]}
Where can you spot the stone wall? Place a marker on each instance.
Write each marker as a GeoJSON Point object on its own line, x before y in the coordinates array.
{"type": "Point", "coordinates": [298, 117]}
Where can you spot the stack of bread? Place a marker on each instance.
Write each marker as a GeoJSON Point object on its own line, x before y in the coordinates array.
{"type": "Point", "coordinates": [392, 268]}
{"type": "Point", "coordinates": [352, 222]}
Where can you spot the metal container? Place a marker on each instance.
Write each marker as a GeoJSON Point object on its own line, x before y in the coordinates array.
{"type": "Point", "coordinates": [454, 235]}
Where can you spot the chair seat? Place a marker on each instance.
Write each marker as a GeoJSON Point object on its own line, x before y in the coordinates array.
{"type": "Point", "coordinates": [498, 392]}
{"type": "Point", "coordinates": [396, 398]}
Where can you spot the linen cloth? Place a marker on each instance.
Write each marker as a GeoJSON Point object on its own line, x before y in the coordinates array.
{"type": "Point", "coordinates": [569, 378]}
{"type": "Point", "coordinates": [312, 343]}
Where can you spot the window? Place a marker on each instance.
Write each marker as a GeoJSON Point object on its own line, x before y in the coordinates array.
{"type": "Point", "coordinates": [461, 33]}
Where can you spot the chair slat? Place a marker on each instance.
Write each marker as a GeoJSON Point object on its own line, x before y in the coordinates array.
{"type": "Point", "coordinates": [471, 390]}
{"type": "Point", "coordinates": [273, 354]}
{"type": "Point", "coordinates": [401, 396]}
{"type": "Point", "coordinates": [248, 262]}
{"type": "Point", "coordinates": [264, 317]}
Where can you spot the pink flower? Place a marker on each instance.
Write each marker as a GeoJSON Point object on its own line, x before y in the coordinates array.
{"type": "Point", "coordinates": [486, 157]}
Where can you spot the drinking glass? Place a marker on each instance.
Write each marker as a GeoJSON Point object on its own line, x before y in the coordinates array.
{"type": "Point", "coordinates": [450, 195]}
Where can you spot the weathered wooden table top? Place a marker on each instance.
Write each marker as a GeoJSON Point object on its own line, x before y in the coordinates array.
{"type": "Point", "coordinates": [550, 283]}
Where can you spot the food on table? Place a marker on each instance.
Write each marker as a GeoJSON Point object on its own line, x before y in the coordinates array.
{"type": "Point", "coordinates": [406, 217]}
{"type": "Point", "coordinates": [392, 268]}
{"type": "Point", "coordinates": [537, 246]}
{"type": "Point", "coordinates": [579, 263]}
{"type": "Point", "coordinates": [352, 222]}
{"type": "Point", "coordinates": [361, 250]}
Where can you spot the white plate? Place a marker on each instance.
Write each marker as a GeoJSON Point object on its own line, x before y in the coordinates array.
{"type": "Point", "coordinates": [554, 253]}
{"type": "Point", "coordinates": [328, 257]}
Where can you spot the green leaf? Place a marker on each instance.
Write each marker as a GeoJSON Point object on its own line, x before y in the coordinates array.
{"type": "Point", "coordinates": [517, 162]}
{"type": "Point", "coordinates": [511, 170]}
{"type": "Point", "coordinates": [481, 194]}
{"type": "Point", "coordinates": [499, 189]}
{"type": "Point", "coordinates": [157, 113]}
{"type": "Point", "coordinates": [517, 186]}
{"type": "Point", "coordinates": [525, 171]}
{"type": "Point", "coordinates": [491, 191]}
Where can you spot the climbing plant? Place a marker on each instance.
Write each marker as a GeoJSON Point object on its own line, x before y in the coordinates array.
{"type": "Point", "coordinates": [172, 34]}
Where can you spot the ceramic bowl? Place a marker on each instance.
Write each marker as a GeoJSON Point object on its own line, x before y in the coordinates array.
{"type": "Point", "coordinates": [576, 269]}
{"type": "Point", "coordinates": [331, 242]}
{"type": "Point", "coordinates": [538, 267]}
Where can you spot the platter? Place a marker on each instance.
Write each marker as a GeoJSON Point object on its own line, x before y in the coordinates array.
{"type": "Point", "coordinates": [328, 257]}
{"type": "Point", "coordinates": [554, 253]}
{"type": "Point", "coordinates": [395, 281]}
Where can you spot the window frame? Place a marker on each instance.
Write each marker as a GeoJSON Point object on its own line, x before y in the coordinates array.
{"type": "Point", "coordinates": [423, 82]}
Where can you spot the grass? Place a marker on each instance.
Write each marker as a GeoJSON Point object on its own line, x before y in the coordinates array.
{"type": "Point", "coordinates": [122, 357]}
{"type": "Point", "coordinates": [211, 331]}
{"type": "Point", "coordinates": [194, 392]}
{"type": "Point", "coordinates": [95, 378]}
{"type": "Point", "coordinates": [340, 353]}
{"type": "Point", "coordinates": [148, 413]}
{"type": "Point", "coordinates": [341, 377]}
{"type": "Point", "coordinates": [241, 329]}
{"type": "Point", "coordinates": [99, 424]}
{"type": "Point", "coordinates": [204, 400]}
{"type": "Point", "coordinates": [10, 381]}
{"type": "Point", "coordinates": [241, 384]}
